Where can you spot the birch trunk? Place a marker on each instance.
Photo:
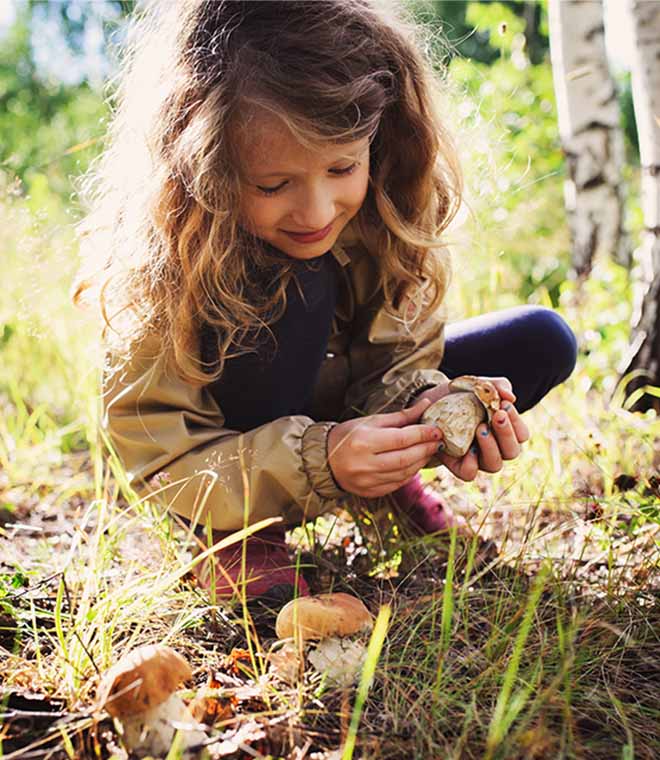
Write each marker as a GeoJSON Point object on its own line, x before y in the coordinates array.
{"type": "Point", "coordinates": [591, 137]}
{"type": "Point", "coordinates": [644, 354]}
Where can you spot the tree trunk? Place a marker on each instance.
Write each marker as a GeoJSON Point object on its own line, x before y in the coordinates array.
{"type": "Point", "coordinates": [644, 354]}
{"type": "Point", "coordinates": [591, 137]}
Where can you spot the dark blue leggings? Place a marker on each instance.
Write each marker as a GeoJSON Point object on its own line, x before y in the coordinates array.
{"type": "Point", "coordinates": [530, 345]}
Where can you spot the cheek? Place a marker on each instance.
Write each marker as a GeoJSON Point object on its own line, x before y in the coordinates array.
{"type": "Point", "coordinates": [259, 214]}
{"type": "Point", "coordinates": [358, 189]}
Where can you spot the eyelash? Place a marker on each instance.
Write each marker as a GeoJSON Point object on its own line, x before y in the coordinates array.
{"type": "Point", "coordinates": [340, 172]}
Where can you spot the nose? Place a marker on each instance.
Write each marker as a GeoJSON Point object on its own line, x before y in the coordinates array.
{"type": "Point", "coordinates": [314, 208]}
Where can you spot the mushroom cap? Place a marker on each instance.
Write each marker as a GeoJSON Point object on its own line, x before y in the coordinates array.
{"type": "Point", "coordinates": [141, 680]}
{"type": "Point", "coordinates": [457, 415]}
{"type": "Point", "coordinates": [483, 389]}
{"type": "Point", "coordinates": [318, 617]}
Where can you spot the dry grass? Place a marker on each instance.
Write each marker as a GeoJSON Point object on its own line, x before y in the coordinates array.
{"type": "Point", "coordinates": [547, 648]}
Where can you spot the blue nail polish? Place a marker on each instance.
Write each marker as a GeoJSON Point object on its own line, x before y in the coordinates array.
{"type": "Point", "coordinates": [473, 449]}
{"type": "Point", "coordinates": [484, 432]}
{"type": "Point", "coordinates": [506, 407]}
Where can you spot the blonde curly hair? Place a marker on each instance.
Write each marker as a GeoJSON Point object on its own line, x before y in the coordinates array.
{"type": "Point", "coordinates": [162, 250]}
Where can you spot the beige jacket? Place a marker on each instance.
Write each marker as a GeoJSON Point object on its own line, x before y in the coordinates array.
{"type": "Point", "coordinates": [161, 426]}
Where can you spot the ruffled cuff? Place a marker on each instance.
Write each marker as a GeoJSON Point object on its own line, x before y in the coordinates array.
{"type": "Point", "coordinates": [315, 461]}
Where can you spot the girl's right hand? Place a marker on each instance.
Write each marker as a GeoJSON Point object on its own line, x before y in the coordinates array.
{"type": "Point", "coordinates": [373, 456]}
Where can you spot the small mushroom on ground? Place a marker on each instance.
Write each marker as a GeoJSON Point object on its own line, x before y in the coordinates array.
{"type": "Point", "coordinates": [331, 629]}
{"type": "Point", "coordinates": [470, 401]}
{"type": "Point", "coordinates": [139, 693]}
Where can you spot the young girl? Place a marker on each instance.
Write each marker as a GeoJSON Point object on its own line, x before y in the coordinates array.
{"type": "Point", "coordinates": [265, 241]}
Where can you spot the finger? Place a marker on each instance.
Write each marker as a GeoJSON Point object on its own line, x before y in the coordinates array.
{"type": "Point", "coordinates": [504, 388]}
{"type": "Point", "coordinates": [400, 439]}
{"type": "Point", "coordinates": [399, 464]}
{"type": "Point", "coordinates": [505, 436]}
{"type": "Point", "coordinates": [519, 427]}
{"type": "Point", "coordinates": [465, 467]}
{"type": "Point", "coordinates": [490, 458]}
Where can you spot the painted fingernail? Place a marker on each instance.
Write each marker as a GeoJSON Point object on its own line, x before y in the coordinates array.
{"type": "Point", "coordinates": [441, 446]}
{"type": "Point", "coordinates": [484, 431]}
{"type": "Point", "coordinates": [473, 448]}
{"type": "Point", "coordinates": [506, 407]}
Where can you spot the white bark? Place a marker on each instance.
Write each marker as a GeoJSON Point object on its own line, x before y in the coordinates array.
{"type": "Point", "coordinates": [591, 137]}
{"type": "Point", "coordinates": [645, 344]}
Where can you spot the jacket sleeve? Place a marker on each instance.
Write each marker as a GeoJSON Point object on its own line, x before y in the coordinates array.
{"type": "Point", "coordinates": [389, 366]}
{"type": "Point", "coordinates": [162, 426]}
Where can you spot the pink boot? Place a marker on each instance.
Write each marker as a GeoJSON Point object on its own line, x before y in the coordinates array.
{"type": "Point", "coordinates": [270, 572]}
{"type": "Point", "coordinates": [424, 509]}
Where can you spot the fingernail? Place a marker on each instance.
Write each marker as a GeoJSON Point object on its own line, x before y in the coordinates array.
{"type": "Point", "coordinates": [484, 432]}
{"type": "Point", "coordinates": [507, 407]}
{"type": "Point", "coordinates": [501, 420]}
{"type": "Point", "coordinates": [473, 448]}
{"type": "Point", "coordinates": [441, 446]}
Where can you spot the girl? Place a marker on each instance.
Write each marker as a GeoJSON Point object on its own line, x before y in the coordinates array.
{"type": "Point", "coordinates": [265, 242]}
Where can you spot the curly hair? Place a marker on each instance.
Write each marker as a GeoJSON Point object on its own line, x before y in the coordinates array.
{"type": "Point", "coordinates": [162, 250]}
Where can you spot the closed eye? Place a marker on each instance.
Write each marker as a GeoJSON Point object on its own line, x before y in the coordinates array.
{"type": "Point", "coordinates": [340, 172]}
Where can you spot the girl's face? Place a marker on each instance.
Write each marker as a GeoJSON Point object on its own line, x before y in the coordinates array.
{"type": "Point", "coordinates": [290, 189]}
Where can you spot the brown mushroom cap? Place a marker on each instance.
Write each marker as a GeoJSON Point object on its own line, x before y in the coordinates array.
{"type": "Point", "coordinates": [483, 389]}
{"type": "Point", "coordinates": [141, 680]}
{"type": "Point", "coordinates": [317, 617]}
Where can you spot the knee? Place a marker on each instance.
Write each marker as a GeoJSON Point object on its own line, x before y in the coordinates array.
{"type": "Point", "coordinates": [557, 338]}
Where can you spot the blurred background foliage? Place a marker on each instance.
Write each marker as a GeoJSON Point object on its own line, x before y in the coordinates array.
{"type": "Point", "coordinates": [57, 61]}
{"type": "Point", "coordinates": [51, 128]}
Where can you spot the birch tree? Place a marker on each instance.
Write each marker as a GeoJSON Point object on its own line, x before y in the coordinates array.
{"type": "Point", "coordinates": [644, 355]}
{"type": "Point", "coordinates": [591, 137]}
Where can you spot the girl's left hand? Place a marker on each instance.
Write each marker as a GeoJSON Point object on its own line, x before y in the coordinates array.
{"type": "Point", "coordinates": [494, 444]}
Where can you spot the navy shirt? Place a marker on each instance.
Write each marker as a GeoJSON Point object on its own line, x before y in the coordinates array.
{"type": "Point", "coordinates": [278, 380]}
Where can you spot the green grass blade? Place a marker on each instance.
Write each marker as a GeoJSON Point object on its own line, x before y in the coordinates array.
{"type": "Point", "coordinates": [373, 653]}
{"type": "Point", "coordinates": [498, 725]}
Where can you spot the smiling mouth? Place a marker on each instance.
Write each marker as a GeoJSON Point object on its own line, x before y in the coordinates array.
{"type": "Point", "coordinates": [310, 237]}
{"type": "Point", "coordinates": [310, 232]}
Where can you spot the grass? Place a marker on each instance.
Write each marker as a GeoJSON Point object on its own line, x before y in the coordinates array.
{"type": "Point", "coordinates": [548, 649]}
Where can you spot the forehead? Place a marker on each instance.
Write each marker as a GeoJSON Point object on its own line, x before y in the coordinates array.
{"type": "Point", "coordinates": [267, 145]}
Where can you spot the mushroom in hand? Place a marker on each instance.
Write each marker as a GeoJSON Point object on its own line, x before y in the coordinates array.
{"type": "Point", "coordinates": [470, 401]}
{"type": "Point", "coordinates": [139, 693]}
{"type": "Point", "coordinates": [332, 628]}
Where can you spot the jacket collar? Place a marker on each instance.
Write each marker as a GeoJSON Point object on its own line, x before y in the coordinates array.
{"type": "Point", "coordinates": [347, 238]}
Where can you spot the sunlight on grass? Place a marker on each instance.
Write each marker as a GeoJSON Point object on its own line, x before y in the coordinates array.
{"type": "Point", "coordinates": [526, 654]}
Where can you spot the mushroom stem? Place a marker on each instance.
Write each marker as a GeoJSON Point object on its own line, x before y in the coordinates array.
{"type": "Point", "coordinates": [327, 619]}
{"type": "Point", "coordinates": [151, 732]}
{"type": "Point", "coordinates": [139, 693]}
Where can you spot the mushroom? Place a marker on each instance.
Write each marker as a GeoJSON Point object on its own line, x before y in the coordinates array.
{"type": "Point", "coordinates": [470, 401]}
{"type": "Point", "coordinates": [331, 628]}
{"type": "Point", "coordinates": [138, 692]}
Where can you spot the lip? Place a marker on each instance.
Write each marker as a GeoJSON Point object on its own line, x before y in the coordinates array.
{"type": "Point", "coordinates": [310, 237]}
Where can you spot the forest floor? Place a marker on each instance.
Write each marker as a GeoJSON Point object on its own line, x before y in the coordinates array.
{"type": "Point", "coordinates": [540, 638]}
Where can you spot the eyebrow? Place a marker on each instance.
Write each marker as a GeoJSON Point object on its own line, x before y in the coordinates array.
{"type": "Point", "coordinates": [350, 155]}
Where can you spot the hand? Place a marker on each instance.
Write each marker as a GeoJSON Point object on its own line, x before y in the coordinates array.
{"type": "Point", "coordinates": [373, 456]}
{"type": "Point", "coordinates": [500, 442]}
